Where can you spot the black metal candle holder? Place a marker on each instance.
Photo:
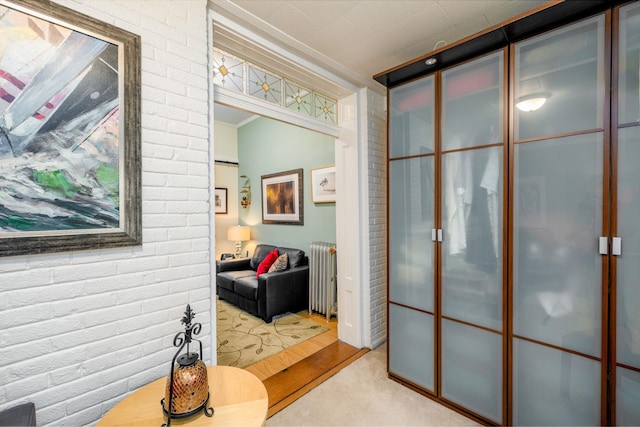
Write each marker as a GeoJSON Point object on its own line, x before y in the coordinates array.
{"type": "Point", "coordinates": [192, 366]}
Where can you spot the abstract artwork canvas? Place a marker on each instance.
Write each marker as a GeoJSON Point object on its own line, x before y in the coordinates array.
{"type": "Point", "coordinates": [69, 131]}
{"type": "Point", "coordinates": [282, 198]}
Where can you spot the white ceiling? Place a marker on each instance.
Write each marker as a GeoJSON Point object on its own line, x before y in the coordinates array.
{"type": "Point", "coordinates": [231, 116]}
{"type": "Point", "coordinates": [355, 40]}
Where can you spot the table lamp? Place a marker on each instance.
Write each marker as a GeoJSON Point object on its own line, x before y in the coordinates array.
{"type": "Point", "coordinates": [238, 234]}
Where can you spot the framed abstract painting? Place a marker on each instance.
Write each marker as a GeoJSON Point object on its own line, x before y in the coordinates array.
{"type": "Point", "coordinates": [69, 131]}
{"type": "Point", "coordinates": [282, 198]}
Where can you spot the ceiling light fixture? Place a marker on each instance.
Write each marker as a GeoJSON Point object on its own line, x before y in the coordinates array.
{"type": "Point", "coordinates": [430, 61]}
{"type": "Point", "coordinates": [532, 102]}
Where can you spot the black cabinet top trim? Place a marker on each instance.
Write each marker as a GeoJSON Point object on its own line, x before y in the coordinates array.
{"type": "Point", "coordinates": [540, 20]}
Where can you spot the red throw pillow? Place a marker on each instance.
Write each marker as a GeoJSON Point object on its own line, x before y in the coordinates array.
{"type": "Point", "coordinates": [267, 261]}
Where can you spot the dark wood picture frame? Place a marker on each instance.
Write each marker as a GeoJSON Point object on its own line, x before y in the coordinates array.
{"type": "Point", "coordinates": [283, 198]}
{"type": "Point", "coordinates": [102, 207]}
{"type": "Point", "coordinates": [220, 202]}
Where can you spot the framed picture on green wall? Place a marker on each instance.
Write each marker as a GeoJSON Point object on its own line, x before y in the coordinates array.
{"type": "Point", "coordinates": [323, 184]}
{"type": "Point", "coordinates": [282, 198]}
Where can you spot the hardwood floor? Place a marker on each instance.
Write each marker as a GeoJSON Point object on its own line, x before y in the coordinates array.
{"type": "Point", "coordinates": [293, 372]}
{"type": "Point", "coordinates": [284, 359]}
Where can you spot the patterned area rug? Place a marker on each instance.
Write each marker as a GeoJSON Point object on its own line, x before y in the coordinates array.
{"type": "Point", "coordinates": [244, 339]}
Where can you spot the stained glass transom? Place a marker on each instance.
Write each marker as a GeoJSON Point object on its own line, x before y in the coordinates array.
{"type": "Point", "coordinates": [325, 109]}
{"type": "Point", "coordinates": [240, 75]}
{"type": "Point", "coordinates": [298, 98]}
{"type": "Point", "coordinates": [228, 71]}
{"type": "Point", "coordinates": [265, 85]}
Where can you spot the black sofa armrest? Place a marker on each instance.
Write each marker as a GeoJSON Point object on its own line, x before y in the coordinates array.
{"type": "Point", "coordinates": [21, 415]}
{"type": "Point", "coordinates": [233, 264]}
{"type": "Point", "coordinates": [283, 291]}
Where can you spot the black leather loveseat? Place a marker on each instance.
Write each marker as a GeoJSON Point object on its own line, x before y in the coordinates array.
{"type": "Point", "coordinates": [269, 294]}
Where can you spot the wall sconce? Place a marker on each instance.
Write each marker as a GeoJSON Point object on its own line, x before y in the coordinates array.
{"type": "Point", "coordinates": [239, 234]}
{"type": "Point", "coordinates": [245, 192]}
{"type": "Point", "coordinates": [532, 102]}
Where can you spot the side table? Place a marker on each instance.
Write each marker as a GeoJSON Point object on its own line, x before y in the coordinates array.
{"type": "Point", "coordinates": [237, 396]}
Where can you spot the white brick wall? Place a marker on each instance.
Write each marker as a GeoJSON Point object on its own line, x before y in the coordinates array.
{"type": "Point", "coordinates": [377, 181]}
{"type": "Point", "coordinates": [80, 330]}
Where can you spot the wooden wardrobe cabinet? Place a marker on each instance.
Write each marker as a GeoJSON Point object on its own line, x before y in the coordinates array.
{"type": "Point", "coordinates": [514, 232]}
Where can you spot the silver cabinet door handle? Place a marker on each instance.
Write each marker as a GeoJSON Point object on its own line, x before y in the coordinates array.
{"type": "Point", "coordinates": [603, 246]}
{"type": "Point", "coordinates": [616, 246]}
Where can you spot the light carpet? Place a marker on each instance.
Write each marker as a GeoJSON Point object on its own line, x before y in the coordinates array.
{"type": "Point", "coordinates": [361, 394]}
{"type": "Point", "coordinates": [244, 339]}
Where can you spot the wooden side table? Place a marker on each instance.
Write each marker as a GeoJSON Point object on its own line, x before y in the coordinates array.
{"type": "Point", "coordinates": [237, 396]}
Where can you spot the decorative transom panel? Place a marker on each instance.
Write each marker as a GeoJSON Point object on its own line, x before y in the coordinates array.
{"type": "Point", "coordinates": [239, 75]}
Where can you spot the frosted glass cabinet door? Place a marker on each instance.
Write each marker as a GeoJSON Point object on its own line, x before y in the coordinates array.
{"type": "Point", "coordinates": [471, 365]}
{"type": "Point", "coordinates": [411, 211]}
{"type": "Point", "coordinates": [628, 274]}
{"type": "Point", "coordinates": [411, 221]}
{"type": "Point", "coordinates": [628, 215]}
{"type": "Point", "coordinates": [557, 221]}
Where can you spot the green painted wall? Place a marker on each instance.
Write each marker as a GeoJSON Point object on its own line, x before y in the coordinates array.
{"type": "Point", "coordinates": [267, 146]}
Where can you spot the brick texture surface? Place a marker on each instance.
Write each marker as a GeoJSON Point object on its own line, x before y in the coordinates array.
{"type": "Point", "coordinates": [377, 183]}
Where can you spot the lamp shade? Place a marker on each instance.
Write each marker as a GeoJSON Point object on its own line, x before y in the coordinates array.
{"type": "Point", "coordinates": [239, 233]}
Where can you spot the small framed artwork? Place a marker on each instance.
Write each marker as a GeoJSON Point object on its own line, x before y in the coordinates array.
{"type": "Point", "coordinates": [221, 200]}
{"type": "Point", "coordinates": [323, 184]}
{"type": "Point", "coordinates": [282, 198]}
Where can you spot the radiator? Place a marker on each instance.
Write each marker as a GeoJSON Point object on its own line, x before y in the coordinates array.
{"type": "Point", "coordinates": [322, 279]}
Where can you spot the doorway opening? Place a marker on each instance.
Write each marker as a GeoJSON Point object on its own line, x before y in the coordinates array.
{"type": "Point", "coordinates": [247, 147]}
{"type": "Point", "coordinates": [292, 371]}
